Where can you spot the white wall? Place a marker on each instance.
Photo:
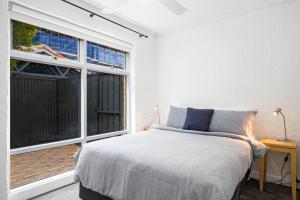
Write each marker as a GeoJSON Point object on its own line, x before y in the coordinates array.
{"type": "Point", "coordinates": [250, 62]}
{"type": "Point", "coordinates": [143, 60]}
{"type": "Point", "coordinates": [4, 92]}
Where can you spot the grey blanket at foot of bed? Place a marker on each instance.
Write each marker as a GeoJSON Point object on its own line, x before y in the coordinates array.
{"type": "Point", "coordinates": [167, 164]}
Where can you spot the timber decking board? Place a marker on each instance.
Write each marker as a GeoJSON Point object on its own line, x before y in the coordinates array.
{"type": "Point", "coordinates": [30, 167]}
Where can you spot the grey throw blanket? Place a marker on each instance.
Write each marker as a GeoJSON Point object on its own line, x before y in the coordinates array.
{"type": "Point", "coordinates": [167, 164]}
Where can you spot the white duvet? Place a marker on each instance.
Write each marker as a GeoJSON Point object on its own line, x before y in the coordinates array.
{"type": "Point", "coordinates": [165, 164]}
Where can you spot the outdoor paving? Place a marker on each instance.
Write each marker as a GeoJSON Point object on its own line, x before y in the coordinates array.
{"type": "Point", "coordinates": [30, 167]}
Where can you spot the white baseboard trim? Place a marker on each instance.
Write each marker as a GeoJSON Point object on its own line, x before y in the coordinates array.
{"type": "Point", "coordinates": [272, 178]}
{"type": "Point", "coordinates": [41, 187]}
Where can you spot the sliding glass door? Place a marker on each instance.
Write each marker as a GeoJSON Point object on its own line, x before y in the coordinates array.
{"type": "Point", "coordinates": [45, 108]}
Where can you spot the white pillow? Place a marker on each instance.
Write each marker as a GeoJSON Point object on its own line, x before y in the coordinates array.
{"type": "Point", "coordinates": [176, 117]}
{"type": "Point", "coordinates": [237, 122]}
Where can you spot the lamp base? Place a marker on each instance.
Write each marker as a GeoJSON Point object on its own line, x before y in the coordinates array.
{"type": "Point", "coordinates": [283, 140]}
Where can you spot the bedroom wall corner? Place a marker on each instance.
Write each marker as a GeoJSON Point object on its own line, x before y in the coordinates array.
{"type": "Point", "coordinates": [146, 84]}
{"type": "Point", "coordinates": [4, 100]}
{"type": "Point", "coordinates": [246, 62]}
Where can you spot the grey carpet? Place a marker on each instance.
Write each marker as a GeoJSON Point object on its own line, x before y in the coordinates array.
{"type": "Point", "coordinates": [250, 192]}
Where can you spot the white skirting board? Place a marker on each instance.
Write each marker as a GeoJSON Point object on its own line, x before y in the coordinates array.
{"type": "Point", "coordinates": [272, 178]}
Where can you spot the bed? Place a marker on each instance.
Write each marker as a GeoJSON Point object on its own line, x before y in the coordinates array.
{"type": "Point", "coordinates": [166, 164]}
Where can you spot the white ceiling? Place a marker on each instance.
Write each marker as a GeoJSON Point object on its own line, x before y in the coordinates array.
{"type": "Point", "coordinates": [155, 17]}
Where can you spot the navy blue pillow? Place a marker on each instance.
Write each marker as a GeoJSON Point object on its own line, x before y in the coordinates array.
{"type": "Point", "coordinates": [198, 119]}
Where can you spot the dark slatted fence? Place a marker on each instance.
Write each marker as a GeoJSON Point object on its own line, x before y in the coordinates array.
{"type": "Point", "coordinates": [105, 109]}
{"type": "Point", "coordinates": [44, 110]}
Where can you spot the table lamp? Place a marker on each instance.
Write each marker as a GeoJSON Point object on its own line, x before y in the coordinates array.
{"type": "Point", "coordinates": [276, 113]}
{"type": "Point", "coordinates": [156, 110]}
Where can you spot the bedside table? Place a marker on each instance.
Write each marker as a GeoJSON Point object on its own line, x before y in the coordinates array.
{"type": "Point", "coordinates": [284, 147]}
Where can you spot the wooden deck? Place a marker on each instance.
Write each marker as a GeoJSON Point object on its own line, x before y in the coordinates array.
{"type": "Point", "coordinates": [30, 167]}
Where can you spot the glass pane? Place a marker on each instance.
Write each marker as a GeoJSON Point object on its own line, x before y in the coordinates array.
{"type": "Point", "coordinates": [106, 103]}
{"type": "Point", "coordinates": [102, 55]}
{"type": "Point", "coordinates": [34, 166]}
{"type": "Point", "coordinates": [38, 40]}
{"type": "Point", "coordinates": [45, 103]}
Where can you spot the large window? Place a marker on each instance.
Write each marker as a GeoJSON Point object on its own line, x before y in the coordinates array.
{"type": "Point", "coordinates": [58, 104]}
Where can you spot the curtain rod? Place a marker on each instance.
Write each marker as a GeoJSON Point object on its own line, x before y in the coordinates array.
{"type": "Point", "coordinates": [92, 14]}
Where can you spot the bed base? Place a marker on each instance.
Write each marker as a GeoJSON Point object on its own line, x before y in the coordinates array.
{"type": "Point", "coordinates": [87, 194]}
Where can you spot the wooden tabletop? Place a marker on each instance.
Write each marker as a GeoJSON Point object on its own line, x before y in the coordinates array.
{"type": "Point", "coordinates": [291, 144]}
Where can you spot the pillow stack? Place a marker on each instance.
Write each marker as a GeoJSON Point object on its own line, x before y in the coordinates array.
{"type": "Point", "coordinates": [236, 122]}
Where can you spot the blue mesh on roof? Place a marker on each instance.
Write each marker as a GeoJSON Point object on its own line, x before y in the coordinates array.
{"type": "Point", "coordinates": [64, 44]}
{"type": "Point", "coordinates": [98, 54]}
{"type": "Point", "coordinates": [68, 47]}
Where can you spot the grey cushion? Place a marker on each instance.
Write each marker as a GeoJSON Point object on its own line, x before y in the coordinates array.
{"type": "Point", "coordinates": [237, 122]}
{"type": "Point", "coordinates": [176, 117]}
